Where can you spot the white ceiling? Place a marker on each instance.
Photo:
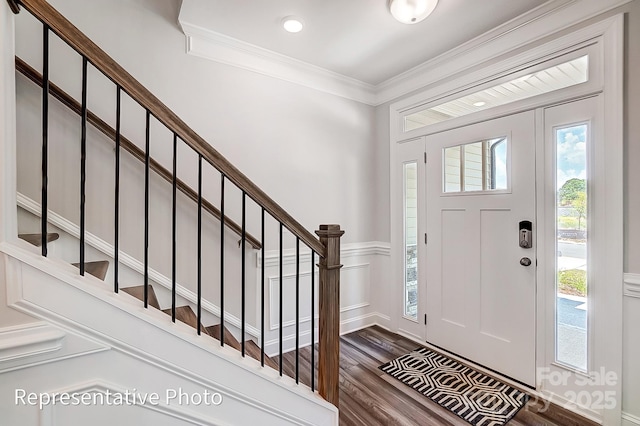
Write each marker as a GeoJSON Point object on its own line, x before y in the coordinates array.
{"type": "Point", "coordinates": [355, 38]}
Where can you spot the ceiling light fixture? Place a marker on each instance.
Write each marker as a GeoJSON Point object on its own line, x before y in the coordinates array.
{"type": "Point", "coordinates": [479, 104]}
{"type": "Point", "coordinates": [411, 11]}
{"type": "Point", "coordinates": [292, 24]}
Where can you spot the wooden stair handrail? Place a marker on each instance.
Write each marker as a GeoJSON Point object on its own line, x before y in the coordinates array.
{"type": "Point", "coordinates": [44, 12]}
{"type": "Point", "coordinates": [68, 101]}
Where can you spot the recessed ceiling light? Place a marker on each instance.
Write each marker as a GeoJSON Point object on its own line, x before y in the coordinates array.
{"type": "Point", "coordinates": [479, 104]}
{"type": "Point", "coordinates": [292, 24]}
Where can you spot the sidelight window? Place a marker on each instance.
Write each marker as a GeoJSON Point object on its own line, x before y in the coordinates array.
{"type": "Point", "coordinates": [410, 209]}
{"type": "Point", "coordinates": [572, 221]}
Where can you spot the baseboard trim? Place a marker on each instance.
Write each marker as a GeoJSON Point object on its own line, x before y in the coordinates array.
{"type": "Point", "coordinates": [347, 326]}
{"type": "Point", "coordinates": [359, 322]}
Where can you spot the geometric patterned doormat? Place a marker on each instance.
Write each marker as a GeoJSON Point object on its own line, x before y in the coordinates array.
{"type": "Point", "coordinates": [473, 396]}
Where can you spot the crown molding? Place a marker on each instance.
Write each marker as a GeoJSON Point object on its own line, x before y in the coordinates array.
{"type": "Point", "coordinates": [475, 51]}
{"type": "Point", "coordinates": [537, 24]}
{"type": "Point", "coordinates": [230, 51]}
{"type": "Point", "coordinates": [534, 25]}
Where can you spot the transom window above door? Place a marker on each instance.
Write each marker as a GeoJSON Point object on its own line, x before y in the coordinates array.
{"type": "Point", "coordinates": [476, 166]}
{"type": "Point", "coordinates": [547, 80]}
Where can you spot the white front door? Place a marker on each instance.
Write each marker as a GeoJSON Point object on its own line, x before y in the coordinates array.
{"type": "Point", "coordinates": [480, 194]}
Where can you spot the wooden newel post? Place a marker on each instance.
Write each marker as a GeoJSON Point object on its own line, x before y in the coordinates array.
{"type": "Point", "coordinates": [329, 307]}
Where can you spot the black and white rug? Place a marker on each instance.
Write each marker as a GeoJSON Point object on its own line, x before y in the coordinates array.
{"type": "Point", "coordinates": [473, 396]}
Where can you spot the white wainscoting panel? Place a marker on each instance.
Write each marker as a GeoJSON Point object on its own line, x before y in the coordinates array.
{"type": "Point", "coordinates": [358, 282]}
{"type": "Point", "coordinates": [631, 353]}
{"type": "Point", "coordinates": [145, 351]}
{"type": "Point", "coordinates": [629, 419]}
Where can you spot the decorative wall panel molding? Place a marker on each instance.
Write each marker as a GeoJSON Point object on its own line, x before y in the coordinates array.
{"type": "Point", "coordinates": [29, 340]}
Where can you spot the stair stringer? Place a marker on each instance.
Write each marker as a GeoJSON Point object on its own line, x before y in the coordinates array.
{"type": "Point", "coordinates": [66, 226]}
{"type": "Point", "coordinates": [49, 290]}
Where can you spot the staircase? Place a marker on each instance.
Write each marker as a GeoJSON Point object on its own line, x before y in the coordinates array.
{"type": "Point", "coordinates": [325, 244]}
{"type": "Point", "coordinates": [184, 313]}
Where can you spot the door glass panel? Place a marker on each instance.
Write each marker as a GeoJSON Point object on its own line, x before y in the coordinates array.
{"type": "Point", "coordinates": [571, 245]}
{"type": "Point", "coordinates": [497, 167]}
{"type": "Point", "coordinates": [410, 209]}
{"type": "Point", "coordinates": [452, 169]}
{"type": "Point", "coordinates": [473, 165]}
{"type": "Point", "coordinates": [476, 166]}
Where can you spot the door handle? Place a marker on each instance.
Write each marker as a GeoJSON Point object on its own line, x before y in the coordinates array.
{"type": "Point", "coordinates": [525, 261]}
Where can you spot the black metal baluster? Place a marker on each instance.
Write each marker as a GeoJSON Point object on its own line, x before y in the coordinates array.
{"type": "Point", "coordinates": [146, 211]}
{"type": "Point", "coordinates": [281, 298]}
{"type": "Point", "coordinates": [244, 235]}
{"type": "Point", "coordinates": [116, 213]}
{"type": "Point", "coordinates": [297, 309]}
{"type": "Point", "coordinates": [221, 260]}
{"type": "Point", "coordinates": [262, 294]}
{"type": "Point", "coordinates": [83, 162]}
{"type": "Point", "coordinates": [199, 243]}
{"type": "Point", "coordinates": [45, 136]}
{"type": "Point", "coordinates": [173, 229]}
{"type": "Point", "coordinates": [313, 321]}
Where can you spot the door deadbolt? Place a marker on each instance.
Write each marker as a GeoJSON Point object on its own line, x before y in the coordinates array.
{"type": "Point", "coordinates": [525, 261]}
{"type": "Point", "coordinates": [525, 237]}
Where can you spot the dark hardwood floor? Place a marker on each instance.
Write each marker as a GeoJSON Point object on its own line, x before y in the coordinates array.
{"type": "Point", "coordinates": [370, 397]}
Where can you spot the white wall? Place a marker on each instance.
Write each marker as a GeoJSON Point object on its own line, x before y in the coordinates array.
{"type": "Point", "coordinates": [363, 266]}
{"type": "Point", "coordinates": [632, 138]}
{"type": "Point", "coordinates": [298, 144]}
{"type": "Point", "coordinates": [301, 146]}
{"type": "Point", "coordinates": [64, 196]}
{"type": "Point", "coordinates": [631, 346]}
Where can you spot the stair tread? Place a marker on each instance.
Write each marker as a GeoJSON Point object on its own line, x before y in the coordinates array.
{"type": "Point", "coordinates": [138, 293]}
{"type": "Point", "coordinates": [253, 350]}
{"type": "Point", "coordinates": [229, 339]}
{"type": "Point", "coordinates": [36, 239]}
{"type": "Point", "coordinates": [97, 268]}
{"type": "Point", "coordinates": [187, 316]}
